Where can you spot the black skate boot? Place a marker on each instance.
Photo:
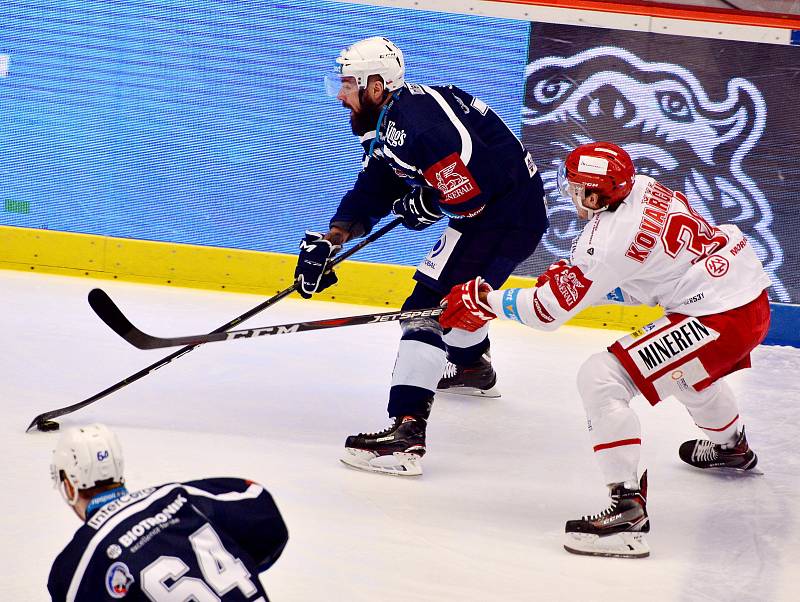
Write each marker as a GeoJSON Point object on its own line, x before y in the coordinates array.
{"type": "Point", "coordinates": [395, 450]}
{"type": "Point", "coordinates": [478, 378]}
{"type": "Point", "coordinates": [618, 530]}
{"type": "Point", "coordinates": [703, 453]}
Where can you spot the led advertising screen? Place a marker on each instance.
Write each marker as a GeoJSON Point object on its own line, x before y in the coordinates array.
{"type": "Point", "coordinates": [712, 118]}
{"type": "Point", "coordinates": [207, 122]}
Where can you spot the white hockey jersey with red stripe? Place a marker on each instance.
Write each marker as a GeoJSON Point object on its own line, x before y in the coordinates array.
{"type": "Point", "coordinates": [653, 250]}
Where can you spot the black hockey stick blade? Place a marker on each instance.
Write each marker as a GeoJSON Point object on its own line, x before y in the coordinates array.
{"type": "Point", "coordinates": [107, 310]}
{"type": "Point", "coordinates": [109, 313]}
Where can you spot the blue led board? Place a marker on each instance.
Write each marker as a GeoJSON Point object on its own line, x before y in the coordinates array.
{"type": "Point", "coordinates": [207, 122]}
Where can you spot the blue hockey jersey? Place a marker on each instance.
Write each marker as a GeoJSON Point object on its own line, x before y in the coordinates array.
{"type": "Point", "coordinates": [444, 139]}
{"type": "Point", "coordinates": [200, 540]}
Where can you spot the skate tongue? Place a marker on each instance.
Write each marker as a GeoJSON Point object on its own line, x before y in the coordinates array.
{"type": "Point", "coordinates": [734, 441]}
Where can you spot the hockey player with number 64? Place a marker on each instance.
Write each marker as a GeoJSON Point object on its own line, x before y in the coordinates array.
{"type": "Point", "coordinates": [648, 246]}
{"type": "Point", "coordinates": [201, 540]}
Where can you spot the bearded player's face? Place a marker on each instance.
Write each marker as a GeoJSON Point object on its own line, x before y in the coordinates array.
{"type": "Point", "coordinates": [348, 92]}
{"type": "Point", "coordinates": [363, 104]}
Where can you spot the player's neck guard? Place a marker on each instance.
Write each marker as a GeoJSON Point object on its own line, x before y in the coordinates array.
{"type": "Point", "coordinates": [103, 498]}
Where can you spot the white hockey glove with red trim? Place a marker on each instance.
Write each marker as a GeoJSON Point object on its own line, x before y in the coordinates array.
{"type": "Point", "coordinates": [463, 307]}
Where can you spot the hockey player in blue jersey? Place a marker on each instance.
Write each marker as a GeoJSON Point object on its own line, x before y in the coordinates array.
{"type": "Point", "coordinates": [200, 540]}
{"type": "Point", "coordinates": [429, 152]}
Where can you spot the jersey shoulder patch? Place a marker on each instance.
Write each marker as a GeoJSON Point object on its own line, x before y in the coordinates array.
{"type": "Point", "coordinates": [569, 286]}
{"type": "Point", "coordinates": [453, 179]}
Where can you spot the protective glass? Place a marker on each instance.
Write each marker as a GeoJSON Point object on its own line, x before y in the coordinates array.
{"type": "Point", "coordinates": [562, 181]}
{"type": "Point", "coordinates": [571, 190]}
{"type": "Point", "coordinates": [336, 82]}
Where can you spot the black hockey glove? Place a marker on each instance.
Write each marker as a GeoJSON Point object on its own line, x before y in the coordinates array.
{"type": "Point", "coordinates": [419, 208]}
{"type": "Point", "coordinates": [310, 274]}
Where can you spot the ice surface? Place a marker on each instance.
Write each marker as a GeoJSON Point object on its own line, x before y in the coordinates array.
{"type": "Point", "coordinates": [483, 523]}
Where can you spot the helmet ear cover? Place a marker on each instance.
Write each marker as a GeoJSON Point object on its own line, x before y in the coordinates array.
{"type": "Point", "coordinates": [362, 92]}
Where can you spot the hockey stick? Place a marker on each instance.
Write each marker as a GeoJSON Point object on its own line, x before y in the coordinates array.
{"type": "Point", "coordinates": [109, 313]}
{"type": "Point", "coordinates": [45, 422]}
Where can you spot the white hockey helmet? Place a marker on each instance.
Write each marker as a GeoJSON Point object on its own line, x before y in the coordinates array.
{"type": "Point", "coordinates": [371, 56]}
{"type": "Point", "coordinates": [86, 456]}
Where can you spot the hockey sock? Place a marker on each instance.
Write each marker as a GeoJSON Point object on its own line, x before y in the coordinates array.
{"type": "Point", "coordinates": [606, 391]}
{"type": "Point", "coordinates": [715, 411]}
{"type": "Point", "coordinates": [464, 347]}
{"type": "Point", "coordinates": [420, 361]}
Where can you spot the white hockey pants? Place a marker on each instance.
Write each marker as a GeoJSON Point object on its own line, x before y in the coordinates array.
{"type": "Point", "coordinates": [606, 391]}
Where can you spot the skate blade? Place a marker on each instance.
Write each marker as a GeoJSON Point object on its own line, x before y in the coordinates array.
{"type": "Point", "coordinates": [398, 464]}
{"type": "Point", "coordinates": [733, 472]}
{"type": "Point", "coordinates": [472, 391]}
{"type": "Point", "coordinates": [627, 544]}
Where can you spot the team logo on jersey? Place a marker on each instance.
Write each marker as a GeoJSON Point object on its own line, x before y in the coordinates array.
{"type": "Point", "coordinates": [439, 246]}
{"type": "Point", "coordinates": [717, 266]}
{"type": "Point", "coordinates": [569, 286]}
{"type": "Point", "coordinates": [118, 580]}
{"type": "Point", "coordinates": [532, 169]}
{"type": "Point", "coordinates": [113, 551]}
{"type": "Point", "coordinates": [394, 135]}
{"type": "Point", "coordinates": [453, 179]}
{"type": "Point", "coordinates": [439, 255]}
{"type": "Point", "coordinates": [461, 103]}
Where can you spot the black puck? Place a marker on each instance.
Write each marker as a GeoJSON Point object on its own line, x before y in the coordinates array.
{"type": "Point", "coordinates": [48, 425]}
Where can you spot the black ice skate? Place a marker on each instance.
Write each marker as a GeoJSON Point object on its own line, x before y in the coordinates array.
{"type": "Point", "coordinates": [477, 379]}
{"type": "Point", "coordinates": [618, 531]}
{"type": "Point", "coordinates": [397, 450]}
{"type": "Point", "coordinates": [703, 453]}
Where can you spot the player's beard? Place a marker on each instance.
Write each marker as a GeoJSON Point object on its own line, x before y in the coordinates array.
{"type": "Point", "coordinates": [365, 119]}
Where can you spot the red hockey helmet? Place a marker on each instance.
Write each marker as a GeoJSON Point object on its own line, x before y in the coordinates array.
{"type": "Point", "coordinates": [599, 167]}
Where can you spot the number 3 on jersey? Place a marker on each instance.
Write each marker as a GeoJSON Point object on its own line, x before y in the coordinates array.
{"type": "Point", "coordinates": [691, 232]}
{"type": "Point", "coordinates": [221, 571]}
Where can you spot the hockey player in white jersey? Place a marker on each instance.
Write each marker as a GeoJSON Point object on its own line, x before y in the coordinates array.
{"type": "Point", "coordinates": [646, 245]}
